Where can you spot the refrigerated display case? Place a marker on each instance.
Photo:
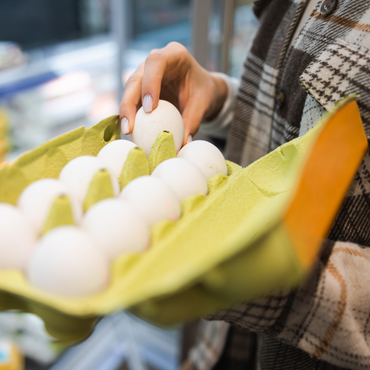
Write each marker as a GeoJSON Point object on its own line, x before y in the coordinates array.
{"type": "Point", "coordinates": [221, 33]}
{"type": "Point", "coordinates": [74, 75]}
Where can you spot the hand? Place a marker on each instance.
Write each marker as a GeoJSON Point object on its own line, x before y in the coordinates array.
{"type": "Point", "coordinates": [172, 74]}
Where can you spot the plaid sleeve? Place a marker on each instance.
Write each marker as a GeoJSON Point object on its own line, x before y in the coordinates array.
{"type": "Point", "coordinates": [208, 347]}
{"type": "Point", "coordinates": [220, 346]}
{"type": "Point", "coordinates": [327, 317]}
{"type": "Point", "coordinates": [258, 315]}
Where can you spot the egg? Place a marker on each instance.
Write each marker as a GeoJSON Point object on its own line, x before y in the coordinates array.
{"type": "Point", "coordinates": [66, 262]}
{"type": "Point", "coordinates": [114, 155]}
{"type": "Point", "coordinates": [79, 172]}
{"type": "Point", "coordinates": [17, 238]}
{"type": "Point", "coordinates": [206, 156]}
{"type": "Point", "coordinates": [37, 199]}
{"type": "Point", "coordinates": [152, 198]}
{"type": "Point", "coordinates": [116, 228]}
{"type": "Point", "coordinates": [149, 125]}
{"type": "Point", "coordinates": [182, 176]}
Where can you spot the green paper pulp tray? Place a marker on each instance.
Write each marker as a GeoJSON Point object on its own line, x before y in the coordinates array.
{"type": "Point", "coordinates": [258, 229]}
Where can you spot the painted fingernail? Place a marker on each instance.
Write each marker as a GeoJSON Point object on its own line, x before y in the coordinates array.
{"type": "Point", "coordinates": [190, 139]}
{"type": "Point", "coordinates": [148, 103]}
{"type": "Point", "coordinates": [124, 126]}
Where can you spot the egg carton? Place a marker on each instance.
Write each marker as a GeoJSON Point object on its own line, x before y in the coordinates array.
{"type": "Point", "coordinates": [257, 230]}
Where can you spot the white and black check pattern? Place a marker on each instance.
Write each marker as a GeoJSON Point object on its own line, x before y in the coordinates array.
{"type": "Point", "coordinates": [341, 69]}
{"type": "Point", "coordinates": [325, 323]}
{"type": "Point", "coordinates": [210, 344]}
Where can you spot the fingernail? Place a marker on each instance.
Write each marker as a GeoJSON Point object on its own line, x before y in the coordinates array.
{"type": "Point", "coordinates": [190, 139]}
{"type": "Point", "coordinates": [148, 103]}
{"type": "Point", "coordinates": [124, 126]}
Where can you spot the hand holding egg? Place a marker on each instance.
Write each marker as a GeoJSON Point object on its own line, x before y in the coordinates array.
{"type": "Point", "coordinates": [174, 73]}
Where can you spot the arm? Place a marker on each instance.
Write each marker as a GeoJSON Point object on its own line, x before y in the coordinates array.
{"type": "Point", "coordinates": [219, 126]}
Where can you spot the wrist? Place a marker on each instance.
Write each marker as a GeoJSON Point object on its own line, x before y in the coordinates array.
{"type": "Point", "coordinates": [220, 90]}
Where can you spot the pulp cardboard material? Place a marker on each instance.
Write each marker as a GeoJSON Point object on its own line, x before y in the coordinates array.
{"type": "Point", "coordinates": [257, 230]}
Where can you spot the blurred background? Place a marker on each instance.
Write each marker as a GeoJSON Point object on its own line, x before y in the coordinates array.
{"type": "Point", "coordinates": [63, 64]}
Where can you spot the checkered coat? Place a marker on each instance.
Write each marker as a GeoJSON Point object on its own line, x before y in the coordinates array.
{"type": "Point", "coordinates": [325, 323]}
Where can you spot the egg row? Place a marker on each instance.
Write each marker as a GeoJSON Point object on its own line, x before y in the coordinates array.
{"type": "Point", "coordinates": [74, 260]}
{"type": "Point", "coordinates": [185, 175]}
{"type": "Point", "coordinates": [109, 229]}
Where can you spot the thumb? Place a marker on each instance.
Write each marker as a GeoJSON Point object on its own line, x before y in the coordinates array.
{"type": "Point", "coordinates": [192, 117]}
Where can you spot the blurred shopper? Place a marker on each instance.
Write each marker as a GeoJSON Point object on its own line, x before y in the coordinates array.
{"type": "Point", "coordinates": [306, 56]}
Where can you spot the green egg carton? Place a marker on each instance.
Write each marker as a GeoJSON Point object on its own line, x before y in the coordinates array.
{"type": "Point", "coordinates": [258, 229]}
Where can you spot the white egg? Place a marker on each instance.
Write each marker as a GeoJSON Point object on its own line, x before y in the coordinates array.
{"type": "Point", "coordinates": [206, 156]}
{"type": "Point", "coordinates": [66, 262]}
{"type": "Point", "coordinates": [17, 238]}
{"type": "Point", "coordinates": [182, 176]}
{"type": "Point", "coordinates": [149, 125]}
{"type": "Point", "coordinates": [116, 228]}
{"type": "Point", "coordinates": [79, 172]}
{"type": "Point", "coordinates": [114, 155]}
{"type": "Point", "coordinates": [37, 198]}
{"type": "Point", "coordinates": [152, 198]}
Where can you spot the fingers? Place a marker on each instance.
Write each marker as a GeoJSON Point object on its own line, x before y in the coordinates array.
{"type": "Point", "coordinates": [174, 61]}
{"type": "Point", "coordinates": [204, 106]}
{"type": "Point", "coordinates": [155, 66]}
{"type": "Point", "coordinates": [192, 117]}
{"type": "Point", "coordinates": [171, 60]}
{"type": "Point", "coordinates": [131, 100]}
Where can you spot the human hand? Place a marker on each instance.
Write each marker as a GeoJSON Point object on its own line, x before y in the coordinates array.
{"type": "Point", "coordinates": [172, 74]}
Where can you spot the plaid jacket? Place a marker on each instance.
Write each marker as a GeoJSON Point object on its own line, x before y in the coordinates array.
{"type": "Point", "coordinates": [325, 323]}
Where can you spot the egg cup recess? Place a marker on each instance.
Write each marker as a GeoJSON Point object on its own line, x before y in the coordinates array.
{"type": "Point", "coordinates": [35, 166]}
{"type": "Point", "coordinates": [247, 237]}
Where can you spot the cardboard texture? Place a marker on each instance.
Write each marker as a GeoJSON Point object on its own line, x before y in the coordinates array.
{"type": "Point", "coordinates": [100, 188]}
{"type": "Point", "coordinates": [60, 214]}
{"type": "Point", "coordinates": [48, 159]}
{"type": "Point", "coordinates": [162, 149]}
{"type": "Point", "coordinates": [136, 165]}
{"type": "Point", "coordinates": [257, 230]}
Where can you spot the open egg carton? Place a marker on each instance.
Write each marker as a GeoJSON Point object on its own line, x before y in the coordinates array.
{"type": "Point", "coordinates": [258, 229]}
